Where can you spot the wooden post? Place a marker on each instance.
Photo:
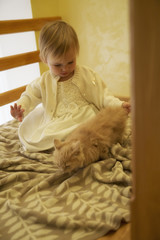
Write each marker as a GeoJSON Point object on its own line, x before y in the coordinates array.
{"type": "Point", "coordinates": [145, 61]}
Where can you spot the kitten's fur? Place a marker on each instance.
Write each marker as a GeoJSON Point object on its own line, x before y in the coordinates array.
{"type": "Point", "coordinates": [91, 141]}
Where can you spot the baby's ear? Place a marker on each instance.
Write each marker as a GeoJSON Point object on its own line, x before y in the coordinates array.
{"type": "Point", "coordinates": [57, 143]}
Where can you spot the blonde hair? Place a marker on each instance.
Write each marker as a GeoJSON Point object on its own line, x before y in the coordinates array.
{"type": "Point", "coordinates": [57, 38]}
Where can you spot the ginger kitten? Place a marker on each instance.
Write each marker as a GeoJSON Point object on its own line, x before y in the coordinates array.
{"type": "Point", "coordinates": [91, 140]}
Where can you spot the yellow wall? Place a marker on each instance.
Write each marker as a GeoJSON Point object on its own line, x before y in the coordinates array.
{"type": "Point", "coordinates": [102, 27]}
{"type": "Point", "coordinates": [44, 8]}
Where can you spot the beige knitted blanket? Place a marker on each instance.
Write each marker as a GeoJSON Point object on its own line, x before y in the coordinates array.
{"type": "Point", "coordinates": [37, 201]}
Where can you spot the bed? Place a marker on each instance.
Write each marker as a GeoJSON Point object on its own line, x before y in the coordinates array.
{"type": "Point", "coordinates": [37, 200]}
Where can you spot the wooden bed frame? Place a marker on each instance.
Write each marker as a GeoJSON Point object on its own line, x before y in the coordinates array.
{"type": "Point", "coordinates": [145, 60]}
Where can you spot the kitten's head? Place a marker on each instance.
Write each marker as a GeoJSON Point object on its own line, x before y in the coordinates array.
{"type": "Point", "coordinates": [68, 155]}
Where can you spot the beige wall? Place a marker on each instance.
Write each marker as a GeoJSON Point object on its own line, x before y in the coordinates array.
{"type": "Point", "coordinates": [102, 27]}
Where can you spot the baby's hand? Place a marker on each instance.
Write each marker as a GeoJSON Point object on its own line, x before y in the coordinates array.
{"type": "Point", "coordinates": [17, 112]}
{"type": "Point", "coordinates": [127, 106]}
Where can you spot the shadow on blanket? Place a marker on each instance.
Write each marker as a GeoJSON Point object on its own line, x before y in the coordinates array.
{"type": "Point", "coordinates": [38, 201]}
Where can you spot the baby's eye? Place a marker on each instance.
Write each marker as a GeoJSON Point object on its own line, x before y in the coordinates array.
{"type": "Point", "coordinates": [57, 65]}
{"type": "Point", "coordinates": [70, 62]}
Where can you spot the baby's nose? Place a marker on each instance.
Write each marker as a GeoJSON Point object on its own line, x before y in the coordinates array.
{"type": "Point", "coordinates": [64, 67]}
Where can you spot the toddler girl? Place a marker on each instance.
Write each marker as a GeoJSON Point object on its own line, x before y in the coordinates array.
{"type": "Point", "coordinates": [69, 94]}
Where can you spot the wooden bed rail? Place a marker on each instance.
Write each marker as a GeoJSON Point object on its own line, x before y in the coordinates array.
{"type": "Point", "coordinates": [24, 25]}
{"type": "Point", "coordinates": [11, 96]}
{"type": "Point", "coordinates": [19, 60]}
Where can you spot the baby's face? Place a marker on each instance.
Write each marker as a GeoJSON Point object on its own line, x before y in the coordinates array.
{"type": "Point", "coordinates": [64, 66]}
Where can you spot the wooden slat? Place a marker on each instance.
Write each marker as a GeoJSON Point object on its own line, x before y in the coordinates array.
{"type": "Point", "coordinates": [19, 60]}
{"type": "Point", "coordinates": [11, 96]}
{"type": "Point", "coordinates": [24, 25]}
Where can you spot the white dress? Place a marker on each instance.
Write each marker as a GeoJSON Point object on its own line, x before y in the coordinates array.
{"type": "Point", "coordinates": [36, 134]}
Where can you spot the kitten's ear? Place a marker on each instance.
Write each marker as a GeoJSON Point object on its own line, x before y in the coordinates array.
{"type": "Point", "coordinates": [75, 145]}
{"type": "Point", "coordinates": [57, 143]}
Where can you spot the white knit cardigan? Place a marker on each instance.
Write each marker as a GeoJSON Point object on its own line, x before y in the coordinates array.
{"type": "Point", "coordinates": [44, 90]}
